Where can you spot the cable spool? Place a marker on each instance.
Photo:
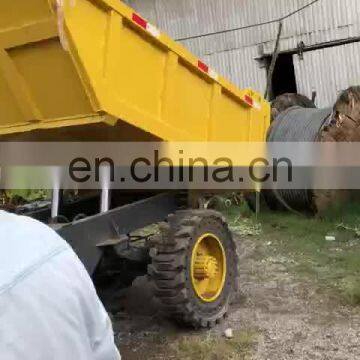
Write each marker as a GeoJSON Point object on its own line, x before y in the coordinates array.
{"type": "Point", "coordinates": [288, 100]}
{"type": "Point", "coordinates": [296, 124]}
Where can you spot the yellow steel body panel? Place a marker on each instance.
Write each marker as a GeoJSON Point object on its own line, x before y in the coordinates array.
{"type": "Point", "coordinates": [107, 67]}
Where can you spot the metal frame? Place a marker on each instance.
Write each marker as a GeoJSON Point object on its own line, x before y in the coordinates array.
{"type": "Point", "coordinates": [88, 236]}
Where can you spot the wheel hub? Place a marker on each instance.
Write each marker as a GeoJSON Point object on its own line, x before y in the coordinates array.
{"type": "Point", "coordinates": [208, 267]}
{"type": "Point", "coordinates": [205, 267]}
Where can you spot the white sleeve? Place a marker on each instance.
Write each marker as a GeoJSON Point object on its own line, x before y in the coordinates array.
{"type": "Point", "coordinates": [98, 323]}
{"type": "Point", "coordinates": [46, 290]}
{"type": "Point", "coordinates": [103, 342]}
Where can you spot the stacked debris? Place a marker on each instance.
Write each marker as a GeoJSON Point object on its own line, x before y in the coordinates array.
{"type": "Point", "coordinates": [344, 126]}
{"type": "Point", "coordinates": [345, 121]}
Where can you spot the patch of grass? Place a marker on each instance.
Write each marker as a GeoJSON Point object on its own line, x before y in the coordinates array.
{"type": "Point", "coordinates": [351, 289]}
{"type": "Point", "coordinates": [216, 348]}
{"type": "Point", "coordinates": [334, 265]}
{"type": "Point", "coordinates": [240, 220]}
{"type": "Point", "coordinates": [349, 213]}
{"type": "Point", "coordinates": [245, 227]}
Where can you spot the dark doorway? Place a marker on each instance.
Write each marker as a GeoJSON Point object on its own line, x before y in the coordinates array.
{"type": "Point", "coordinates": [283, 79]}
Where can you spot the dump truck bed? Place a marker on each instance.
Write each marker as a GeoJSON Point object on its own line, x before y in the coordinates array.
{"type": "Point", "coordinates": [79, 62]}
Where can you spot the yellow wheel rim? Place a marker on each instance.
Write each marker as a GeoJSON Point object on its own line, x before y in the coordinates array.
{"type": "Point", "coordinates": [208, 267]}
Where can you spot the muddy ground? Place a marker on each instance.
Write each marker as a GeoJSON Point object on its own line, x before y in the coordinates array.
{"type": "Point", "coordinates": [284, 317]}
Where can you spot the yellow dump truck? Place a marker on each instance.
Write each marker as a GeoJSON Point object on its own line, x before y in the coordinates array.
{"type": "Point", "coordinates": [97, 70]}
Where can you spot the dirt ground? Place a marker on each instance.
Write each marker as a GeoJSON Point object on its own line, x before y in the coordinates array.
{"type": "Point", "coordinates": [287, 318]}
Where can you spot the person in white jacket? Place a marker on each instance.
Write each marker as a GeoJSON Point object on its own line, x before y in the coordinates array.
{"type": "Point", "coordinates": [49, 308]}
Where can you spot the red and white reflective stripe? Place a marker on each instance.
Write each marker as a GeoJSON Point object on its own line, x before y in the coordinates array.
{"type": "Point", "coordinates": [257, 105]}
{"type": "Point", "coordinates": [139, 20]}
{"type": "Point", "coordinates": [250, 101]}
{"type": "Point", "coordinates": [203, 67]}
{"type": "Point", "coordinates": [154, 31]}
{"type": "Point", "coordinates": [213, 74]}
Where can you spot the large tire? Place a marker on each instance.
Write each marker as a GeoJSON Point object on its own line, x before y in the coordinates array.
{"type": "Point", "coordinates": [172, 266]}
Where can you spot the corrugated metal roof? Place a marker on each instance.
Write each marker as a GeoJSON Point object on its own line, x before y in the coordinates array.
{"type": "Point", "coordinates": [328, 72]}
